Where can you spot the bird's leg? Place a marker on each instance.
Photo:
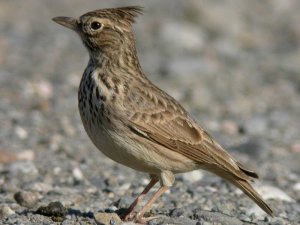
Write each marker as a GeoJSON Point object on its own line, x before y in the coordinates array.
{"type": "Point", "coordinates": [152, 182]}
{"type": "Point", "coordinates": [140, 216]}
{"type": "Point", "coordinates": [166, 181]}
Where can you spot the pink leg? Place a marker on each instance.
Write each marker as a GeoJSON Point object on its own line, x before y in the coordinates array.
{"type": "Point", "coordinates": [153, 181]}
{"type": "Point", "coordinates": [140, 216]}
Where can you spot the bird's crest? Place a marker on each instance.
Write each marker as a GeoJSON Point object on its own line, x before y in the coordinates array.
{"type": "Point", "coordinates": [127, 14]}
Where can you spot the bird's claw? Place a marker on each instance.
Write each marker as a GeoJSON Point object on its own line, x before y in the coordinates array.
{"type": "Point", "coordinates": [144, 220]}
{"type": "Point", "coordinates": [135, 217]}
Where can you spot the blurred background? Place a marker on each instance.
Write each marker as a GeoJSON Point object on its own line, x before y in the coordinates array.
{"type": "Point", "coordinates": [235, 65]}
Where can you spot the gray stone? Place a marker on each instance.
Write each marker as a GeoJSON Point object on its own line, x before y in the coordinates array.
{"type": "Point", "coordinates": [107, 219]}
{"type": "Point", "coordinates": [26, 198]}
{"type": "Point", "coordinates": [24, 167]}
{"type": "Point", "coordinates": [6, 211]}
{"type": "Point", "coordinates": [53, 209]}
{"type": "Point", "coordinates": [193, 176]}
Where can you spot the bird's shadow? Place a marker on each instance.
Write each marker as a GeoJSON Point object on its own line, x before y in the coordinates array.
{"type": "Point", "coordinates": [78, 213]}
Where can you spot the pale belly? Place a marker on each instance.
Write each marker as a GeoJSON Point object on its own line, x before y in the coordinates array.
{"type": "Point", "coordinates": [135, 155]}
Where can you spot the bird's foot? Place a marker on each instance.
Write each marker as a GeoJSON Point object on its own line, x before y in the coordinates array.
{"type": "Point", "coordinates": [144, 220]}
{"type": "Point", "coordinates": [135, 217]}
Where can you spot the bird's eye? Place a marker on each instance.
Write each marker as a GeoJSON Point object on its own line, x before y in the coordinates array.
{"type": "Point", "coordinates": [96, 25]}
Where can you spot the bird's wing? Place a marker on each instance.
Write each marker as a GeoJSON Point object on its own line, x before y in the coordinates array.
{"type": "Point", "coordinates": [159, 118]}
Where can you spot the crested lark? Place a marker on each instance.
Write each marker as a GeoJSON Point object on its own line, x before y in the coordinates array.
{"type": "Point", "coordinates": [135, 123]}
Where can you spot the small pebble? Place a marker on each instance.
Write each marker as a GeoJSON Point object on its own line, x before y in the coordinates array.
{"type": "Point", "coordinates": [229, 127]}
{"type": "Point", "coordinates": [21, 132]}
{"type": "Point", "coordinates": [111, 181]}
{"type": "Point", "coordinates": [296, 187]}
{"type": "Point", "coordinates": [44, 89]}
{"type": "Point", "coordinates": [269, 192]}
{"type": "Point", "coordinates": [55, 142]}
{"type": "Point", "coordinates": [26, 155]}
{"type": "Point", "coordinates": [56, 170]}
{"type": "Point", "coordinates": [92, 190]}
{"type": "Point", "coordinates": [112, 209]}
{"type": "Point", "coordinates": [77, 174]}
{"type": "Point", "coordinates": [108, 218]}
{"type": "Point", "coordinates": [26, 198]}
{"type": "Point", "coordinates": [124, 187]}
{"type": "Point", "coordinates": [6, 211]}
{"type": "Point", "coordinates": [110, 195]}
{"type": "Point", "coordinates": [193, 176]}
{"type": "Point", "coordinates": [55, 209]}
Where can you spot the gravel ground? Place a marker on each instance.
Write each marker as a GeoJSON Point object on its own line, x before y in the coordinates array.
{"type": "Point", "coordinates": [233, 64]}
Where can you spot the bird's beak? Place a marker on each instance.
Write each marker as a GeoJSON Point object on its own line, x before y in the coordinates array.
{"type": "Point", "coordinates": [67, 22]}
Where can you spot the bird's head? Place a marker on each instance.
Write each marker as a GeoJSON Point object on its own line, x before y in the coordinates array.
{"type": "Point", "coordinates": [105, 29]}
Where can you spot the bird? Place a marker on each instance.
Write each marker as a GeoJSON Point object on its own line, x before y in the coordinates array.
{"type": "Point", "coordinates": [135, 123]}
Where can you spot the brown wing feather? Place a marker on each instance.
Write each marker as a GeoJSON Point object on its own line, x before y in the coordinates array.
{"type": "Point", "coordinates": [167, 123]}
{"type": "Point", "coordinates": [247, 171]}
{"type": "Point", "coordinates": [163, 121]}
{"type": "Point", "coordinates": [162, 115]}
{"type": "Point", "coordinates": [205, 152]}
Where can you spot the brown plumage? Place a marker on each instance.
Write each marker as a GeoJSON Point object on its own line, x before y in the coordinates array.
{"type": "Point", "coordinates": [135, 123]}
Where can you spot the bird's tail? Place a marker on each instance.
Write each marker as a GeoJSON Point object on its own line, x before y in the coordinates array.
{"type": "Point", "coordinates": [246, 187]}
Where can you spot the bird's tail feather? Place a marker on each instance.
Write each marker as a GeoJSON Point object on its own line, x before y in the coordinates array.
{"type": "Point", "coordinates": [246, 187]}
{"type": "Point", "coordinates": [250, 173]}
